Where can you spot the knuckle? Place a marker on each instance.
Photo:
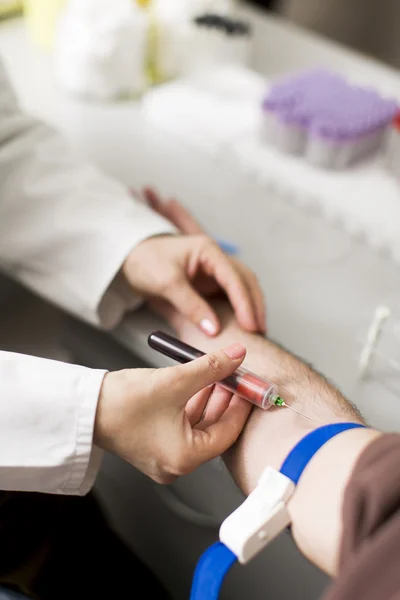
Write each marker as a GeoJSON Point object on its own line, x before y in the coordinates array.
{"type": "Point", "coordinates": [178, 464]}
{"type": "Point", "coordinates": [254, 279]}
{"type": "Point", "coordinates": [169, 281]}
{"type": "Point", "coordinates": [251, 275]}
{"type": "Point", "coordinates": [180, 468]}
{"type": "Point", "coordinates": [197, 309]}
{"type": "Point", "coordinates": [206, 242]}
{"type": "Point", "coordinates": [214, 363]}
{"type": "Point", "coordinates": [203, 237]}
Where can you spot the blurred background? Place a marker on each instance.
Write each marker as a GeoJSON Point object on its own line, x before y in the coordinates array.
{"type": "Point", "coordinates": [369, 26]}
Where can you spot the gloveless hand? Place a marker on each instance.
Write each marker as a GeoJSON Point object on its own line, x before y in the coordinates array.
{"type": "Point", "coordinates": [166, 422]}
{"type": "Point", "coordinates": [185, 269]}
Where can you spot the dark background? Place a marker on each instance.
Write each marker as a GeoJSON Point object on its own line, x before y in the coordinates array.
{"type": "Point", "coordinates": [266, 3]}
{"type": "Point", "coordinates": [371, 27]}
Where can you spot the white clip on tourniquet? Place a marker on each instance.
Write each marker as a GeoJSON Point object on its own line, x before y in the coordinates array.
{"type": "Point", "coordinates": [261, 517]}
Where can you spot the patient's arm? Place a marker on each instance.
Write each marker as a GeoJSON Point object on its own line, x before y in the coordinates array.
{"type": "Point", "coordinates": [270, 435]}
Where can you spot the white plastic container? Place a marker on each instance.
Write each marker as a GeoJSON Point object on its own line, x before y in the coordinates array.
{"type": "Point", "coordinates": [333, 154]}
{"type": "Point", "coordinates": [100, 49]}
{"type": "Point", "coordinates": [289, 137]}
{"type": "Point", "coordinates": [180, 47]}
{"type": "Point", "coordinates": [217, 46]}
{"type": "Point", "coordinates": [328, 120]}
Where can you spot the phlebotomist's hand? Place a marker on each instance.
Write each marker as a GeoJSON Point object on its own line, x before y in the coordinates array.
{"type": "Point", "coordinates": [185, 269]}
{"type": "Point", "coordinates": [166, 422]}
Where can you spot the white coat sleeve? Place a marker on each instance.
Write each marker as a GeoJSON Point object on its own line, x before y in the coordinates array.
{"type": "Point", "coordinates": [65, 228]}
{"type": "Point", "coordinates": [47, 412]}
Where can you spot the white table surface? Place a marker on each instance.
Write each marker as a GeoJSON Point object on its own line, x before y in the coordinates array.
{"type": "Point", "coordinates": [321, 285]}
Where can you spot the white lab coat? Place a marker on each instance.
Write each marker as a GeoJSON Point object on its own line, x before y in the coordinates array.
{"type": "Point", "coordinates": [65, 230]}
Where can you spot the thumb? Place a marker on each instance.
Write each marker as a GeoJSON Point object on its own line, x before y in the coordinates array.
{"type": "Point", "coordinates": [191, 305]}
{"type": "Point", "coordinates": [209, 369]}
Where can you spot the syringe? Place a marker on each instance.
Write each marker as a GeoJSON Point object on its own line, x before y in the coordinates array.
{"type": "Point", "coordinates": [242, 382]}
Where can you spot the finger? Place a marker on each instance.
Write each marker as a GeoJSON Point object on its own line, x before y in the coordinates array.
{"type": "Point", "coordinates": [154, 200]}
{"type": "Point", "coordinates": [164, 309]}
{"type": "Point", "coordinates": [139, 196]}
{"type": "Point", "coordinates": [202, 372]}
{"type": "Point", "coordinates": [218, 401]}
{"type": "Point", "coordinates": [216, 438]}
{"type": "Point", "coordinates": [196, 406]}
{"type": "Point", "coordinates": [182, 218]}
{"type": "Point", "coordinates": [194, 307]}
{"type": "Point", "coordinates": [219, 265]}
{"type": "Point", "coordinates": [257, 297]}
{"type": "Point", "coordinates": [174, 211]}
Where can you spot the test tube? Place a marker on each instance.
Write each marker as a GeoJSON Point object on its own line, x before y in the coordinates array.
{"type": "Point", "coordinates": [242, 382]}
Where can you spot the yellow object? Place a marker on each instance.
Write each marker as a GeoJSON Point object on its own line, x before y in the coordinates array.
{"type": "Point", "coordinates": [152, 73]}
{"type": "Point", "coordinates": [152, 70]}
{"type": "Point", "coordinates": [41, 18]}
{"type": "Point", "coordinates": [8, 8]}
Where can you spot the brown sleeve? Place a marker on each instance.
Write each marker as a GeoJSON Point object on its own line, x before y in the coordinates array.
{"type": "Point", "coordinates": [370, 553]}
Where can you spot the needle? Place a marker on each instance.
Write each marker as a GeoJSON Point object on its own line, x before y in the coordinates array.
{"type": "Point", "coordinates": [277, 401]}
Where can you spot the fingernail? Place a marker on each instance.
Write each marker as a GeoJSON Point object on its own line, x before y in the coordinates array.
{"type": "Point", "coordinates": [208, 326]}
{"type": "Point", "coordinates": [235, 351]}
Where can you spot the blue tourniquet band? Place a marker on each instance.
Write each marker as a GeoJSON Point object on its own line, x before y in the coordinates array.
{"type": "Point", "coordinates": [216, 561]}
{"type": "Point", "coordinates": [302, 453]}
{"type": "Point", "coordinates": [210, 572]}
